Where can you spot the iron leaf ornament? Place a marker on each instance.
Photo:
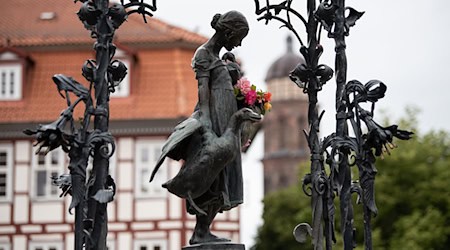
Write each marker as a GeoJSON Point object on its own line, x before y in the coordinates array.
{"type": "Point", "coordinates": [331, 157]}
{"type": "Point", "coordinates": [92, 190]}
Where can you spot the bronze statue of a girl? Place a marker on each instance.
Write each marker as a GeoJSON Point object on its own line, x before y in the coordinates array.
{"type": "Point", "coordinates": [215, 108]}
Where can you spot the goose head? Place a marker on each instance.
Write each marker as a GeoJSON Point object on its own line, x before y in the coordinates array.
{"type": "Point", "coordinates": [246, 114]}
{"type": "Point", "coordinates": [242, 115]}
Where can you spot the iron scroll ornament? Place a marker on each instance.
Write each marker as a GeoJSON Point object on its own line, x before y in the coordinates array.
{"type": "Point", "coordinates": [338, 151]}
{"type": "Point", "coordinates": [90, 194]}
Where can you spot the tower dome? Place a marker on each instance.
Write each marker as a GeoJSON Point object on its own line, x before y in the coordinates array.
{"type": "Point", "coordinates": [285, 64]}
{"type": "Point", "coordinates": [284, 144]}
{"type": "Point", "coordinates": [277, 77]}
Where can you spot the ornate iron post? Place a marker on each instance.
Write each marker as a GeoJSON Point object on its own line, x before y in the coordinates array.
{"type": "Point", "coordinates": [90, 194]}
{"type": "Point", "coordinates": [338, 151]}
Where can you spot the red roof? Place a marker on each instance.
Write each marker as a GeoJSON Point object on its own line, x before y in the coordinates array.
{"type": "Point", "coordinates": [21, 25]}
{"type": "Point", "coordinates": [162, 82]}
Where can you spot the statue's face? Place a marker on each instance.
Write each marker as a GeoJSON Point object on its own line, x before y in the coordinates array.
{"type": "Point", "coordinates": [235, 39]}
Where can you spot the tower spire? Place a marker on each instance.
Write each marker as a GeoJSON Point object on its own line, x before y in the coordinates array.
{"type": "Point", "coordinates": [289, 44]}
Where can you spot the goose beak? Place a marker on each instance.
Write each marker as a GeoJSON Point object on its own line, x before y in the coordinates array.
{"type": "Point", "coordinates": [255, 117]}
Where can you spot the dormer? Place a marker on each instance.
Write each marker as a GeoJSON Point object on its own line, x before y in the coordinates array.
{"type": "Point", "coordinates": [126, 56]}
{"type": "Point", "coordinates": [13, 64]}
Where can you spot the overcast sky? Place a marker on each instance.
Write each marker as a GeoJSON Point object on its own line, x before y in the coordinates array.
{"type": "Point", "coordinates": [404, 43]}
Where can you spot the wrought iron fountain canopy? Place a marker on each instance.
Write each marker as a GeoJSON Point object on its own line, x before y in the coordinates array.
{"type": "Point", "coordinates": [90, 194]}
{"type": "Point", "coordinates": [342, 149]}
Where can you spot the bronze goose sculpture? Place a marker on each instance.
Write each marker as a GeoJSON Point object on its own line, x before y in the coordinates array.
{"type": "Point", "coordinates": [205, 154]}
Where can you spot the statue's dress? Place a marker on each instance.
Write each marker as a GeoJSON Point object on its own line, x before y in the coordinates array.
{"type": "Point", "coordinates": [227, 190]}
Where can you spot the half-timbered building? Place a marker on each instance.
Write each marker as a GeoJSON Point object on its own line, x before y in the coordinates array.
{"type": "Point", "coordinates": [41, 38]}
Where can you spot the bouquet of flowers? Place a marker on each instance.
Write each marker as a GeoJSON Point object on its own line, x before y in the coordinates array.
{"type": "Point", "coordinates": [248, 96]}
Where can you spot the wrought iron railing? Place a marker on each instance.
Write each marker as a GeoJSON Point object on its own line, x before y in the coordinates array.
{"type": "Point", "coordinates": [90, 194]}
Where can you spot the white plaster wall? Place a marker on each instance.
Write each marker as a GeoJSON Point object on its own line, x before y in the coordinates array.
{"type": "Point", "coordinates": [5, 213]}
{"type": "Point", "coordinates": [21, 180]}
{"type": "Point", "coordinates": [111, 208]}
{"type": "Point", "coordinates": [226, 226]}
{"type": "Point", "coordinates": [175, 203]}
{"type": "Point", "coordinates": [174, 240]}
{"type": "Point", "coordinates": [70, 218]}
{"type": "Point", "coordinates": [21, 209]}
{"type": "Point", "coordinates": [170, 224]}
{"type": "Point", "coordinates": [124, 208]}
{"type": "Point", "coordinates": [150, 235]}
{"type": "Point", "coordinates": [46, 212]}
{"type": "Point", "coordinates": [7, 229]}
{"type": "Point", "coordinates": [124, 241]}
{"type": "Point", "coordinates": [47, 237]}
{"type": "Point", "coordinates": [141, 226]}
{"type": "Point", "coordinates": [221, 216]}
{"type": "Point", "coordinates": [151, 209]}
{"type": "Point", "coordinates": [70, 239]}
{"type": "Point", "coordinates": [125, 171]}
{"type": "Point", "coordinates": [23, 150]}
{"type": "Point", "coordinates": [20, 242]}
{"type": "Point", "coordinates": [31, 228]}
{"type": "Point", "coordinates": [58, 228]}
{"type": "Point", "coordinates": [117, 226]}
{"type": "Point", "coordinates": [233, 214]}
{"type": "Point", "coordinates": [175, 206]}
{"type": "Point", "coordinates": [174, 167]}
{"type": "Point", "coordinates": [125, 146]}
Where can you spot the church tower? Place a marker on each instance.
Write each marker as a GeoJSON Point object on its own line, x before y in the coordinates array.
{"type": "Point", "coordinates": [285, 145]}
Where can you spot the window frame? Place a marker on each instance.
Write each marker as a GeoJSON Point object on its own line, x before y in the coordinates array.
{"type": "Point", "coordinates": [5, 245]}
{"type": "Point", "coordinates": [17, 68]}
{"type": "Point", "coordinates": [150, 244]}
{"type": "Point", "coordinates": [45, 245]}
{"type": "Point", "coordinates": [48, 167]}
{"type": "Point", "coordinates": [143, 169]}
{"type": "Point", "coordinates": [8, 147]}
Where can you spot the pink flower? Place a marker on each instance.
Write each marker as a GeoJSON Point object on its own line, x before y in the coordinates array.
{"type": "Point", "coordinates": [244, 85]}
{"type": "Point", "coordinates": [250, 97]}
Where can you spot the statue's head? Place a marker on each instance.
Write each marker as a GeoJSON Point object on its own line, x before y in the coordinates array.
{"type": "Point", "coordinates": [233, 27]}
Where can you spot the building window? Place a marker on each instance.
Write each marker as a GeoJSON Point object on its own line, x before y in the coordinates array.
{"type": "Point", "coordinates": [147, 154]}
{"type": "Point", "coordinates": [44, 167]}
{"type": "Point", "coordinates": [150, 245]}
{"type": "Point", "coordinates": [123, 89]}
{"type": "Point", "coordinates": [45, 246]}
{"type": "Point", "coordinates": [6, 159]}
{"type": "Point", "coordinates": [5, 246]}
{"type": "Point", "coordinates": [10, 82]}
{"type": "Point", "coordinates": [110, 245]}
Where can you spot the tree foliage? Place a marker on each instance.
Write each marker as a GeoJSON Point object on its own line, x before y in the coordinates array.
{"type": "Point", "coordinates": [412, 194]}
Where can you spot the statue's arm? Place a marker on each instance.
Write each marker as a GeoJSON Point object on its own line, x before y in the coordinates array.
{"type": "Point", "coordinates": [201, 65]}
{"type": "Point", "coordinates": [203, 101]}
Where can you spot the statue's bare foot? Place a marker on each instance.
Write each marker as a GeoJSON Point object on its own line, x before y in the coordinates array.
{"type": "Point", "coordinates": [208, 237]}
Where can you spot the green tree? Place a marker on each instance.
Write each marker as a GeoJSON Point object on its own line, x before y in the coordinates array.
{"type": "Point", "coordinates": [412, 195]}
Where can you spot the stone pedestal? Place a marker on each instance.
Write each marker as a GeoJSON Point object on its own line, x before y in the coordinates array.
{"type": "Point", "coordinates": [215, 246]}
